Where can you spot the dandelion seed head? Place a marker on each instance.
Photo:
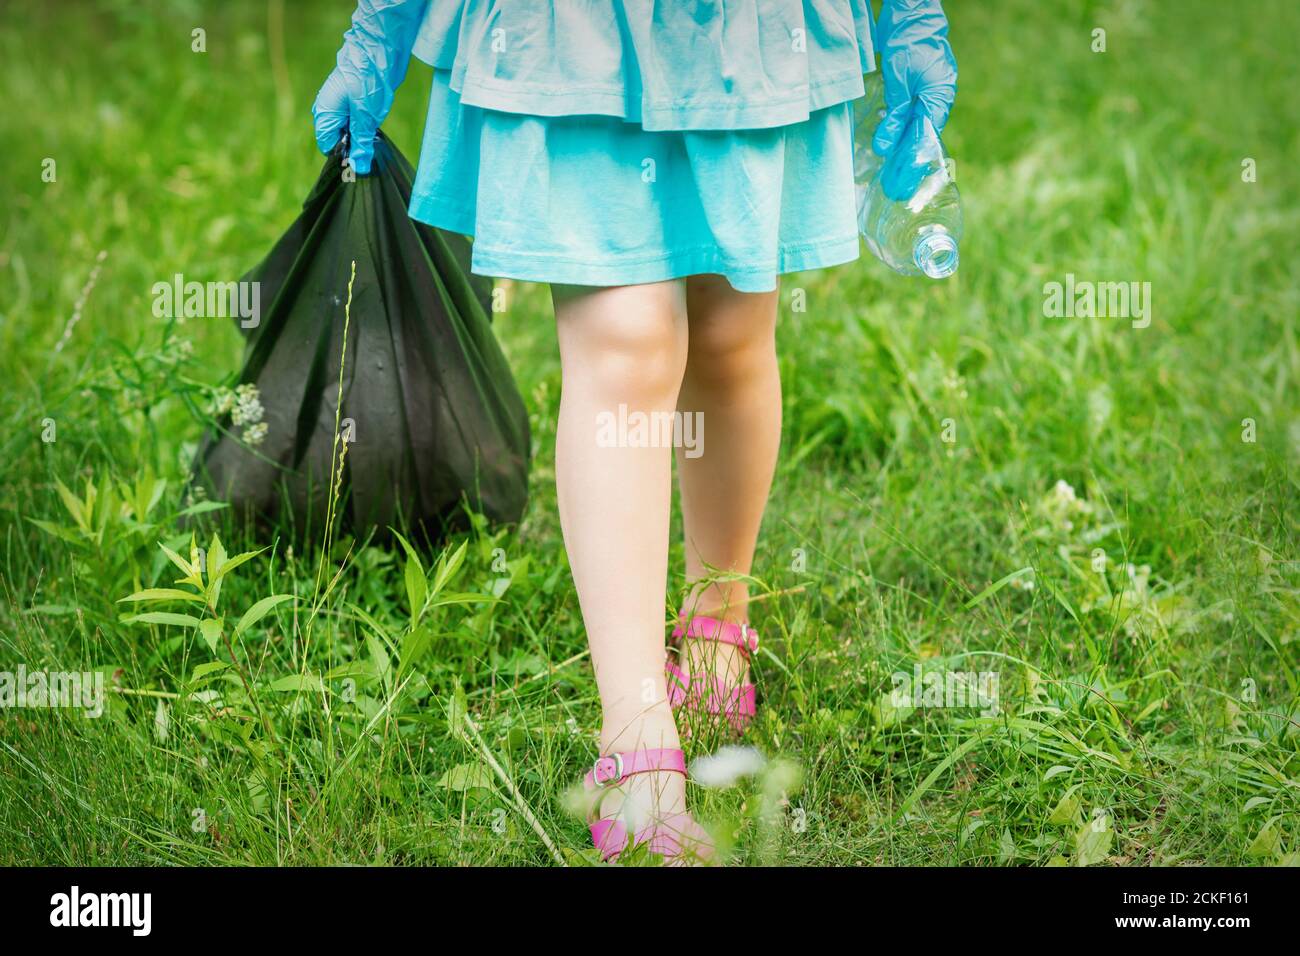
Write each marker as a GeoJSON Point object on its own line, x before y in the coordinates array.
{"type": "Point", "coordinates": [726, 767]}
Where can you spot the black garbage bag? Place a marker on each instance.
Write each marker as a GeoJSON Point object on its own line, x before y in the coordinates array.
{"type": "Point", "coordinates": [430, 410]}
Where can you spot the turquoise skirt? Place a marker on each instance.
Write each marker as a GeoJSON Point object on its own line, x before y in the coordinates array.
{"type": "Point", "coordinates": [600, 154]}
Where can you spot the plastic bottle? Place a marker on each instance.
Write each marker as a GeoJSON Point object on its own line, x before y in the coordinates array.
{"type": "Point", "coordinates": [909, 212]}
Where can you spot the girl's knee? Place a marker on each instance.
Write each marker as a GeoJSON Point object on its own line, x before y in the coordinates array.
{"type": "Point", "coordinates": [630, 340]}
{"type": "Point", "coordinates": [733, 348]}
{"type": "Point", "coordinates": [730, 328]}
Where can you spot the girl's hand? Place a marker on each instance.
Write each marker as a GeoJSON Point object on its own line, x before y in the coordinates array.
{"type": "Point", "coordinates": [919, 69]}
{"type": "Point", "coordinates": [372, 63]}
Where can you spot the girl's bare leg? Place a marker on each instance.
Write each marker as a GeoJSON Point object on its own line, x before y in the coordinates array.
{"type": "Point", "coordinates": [621, 346]}
{"type": "Point", "coordinates": [733, 379]}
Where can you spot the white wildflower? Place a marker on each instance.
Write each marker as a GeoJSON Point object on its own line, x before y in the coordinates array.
{"type": "Point", "coordinates": [248, 406]}
{"type": "Point", "coordinates": [254, 434]}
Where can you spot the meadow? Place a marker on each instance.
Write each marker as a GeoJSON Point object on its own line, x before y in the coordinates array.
{"type": "Point", "coordinates": [1095, 516]}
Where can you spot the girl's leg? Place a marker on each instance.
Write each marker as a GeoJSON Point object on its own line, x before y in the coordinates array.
{"type": "Point", "coordinates": [733, 379]}
{"type": "Point", "coordinates": [621, 346]}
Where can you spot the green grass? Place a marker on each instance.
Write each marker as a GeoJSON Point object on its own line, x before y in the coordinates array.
{"type": "Point", "coordinates": [1149, 712]}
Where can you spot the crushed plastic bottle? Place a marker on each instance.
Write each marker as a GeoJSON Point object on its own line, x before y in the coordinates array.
{"type": "Point", "coordinates": [909, 210]}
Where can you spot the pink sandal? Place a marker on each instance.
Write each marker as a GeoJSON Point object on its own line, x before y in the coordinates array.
{"type": "Point", "coordinates": [712, 694]}
{"type": "Point", "coordinates": [675, 836]}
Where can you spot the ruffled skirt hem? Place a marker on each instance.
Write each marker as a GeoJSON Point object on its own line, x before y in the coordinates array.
{"type": "Point", "coordinates": [709, 259]}
{"type": "Point", "coordinates": [718, 114]}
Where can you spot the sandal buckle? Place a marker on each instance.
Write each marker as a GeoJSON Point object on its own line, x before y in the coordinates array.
{"type": "Point", "coordinates": [614, 763]}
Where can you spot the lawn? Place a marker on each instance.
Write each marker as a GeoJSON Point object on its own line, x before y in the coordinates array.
{"type": "Point", "coordinates": [1092, 517]}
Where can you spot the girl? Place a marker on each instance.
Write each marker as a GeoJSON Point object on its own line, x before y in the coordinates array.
{"type": "Point", "coordinates": [660, 164]}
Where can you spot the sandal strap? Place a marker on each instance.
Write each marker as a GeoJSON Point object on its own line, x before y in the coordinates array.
{"type": "Point", "coordinates": [705, 628]}
{"type": "Point", "coordinates": [670, 837]}
{"type": "Point", "coordinates": [613, 769]}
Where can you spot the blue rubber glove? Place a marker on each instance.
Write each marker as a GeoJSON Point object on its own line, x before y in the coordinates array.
{"type": "Point", "coordinates": [919, 70]}
{"type": "Point", "coordinates": [372, 63]}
